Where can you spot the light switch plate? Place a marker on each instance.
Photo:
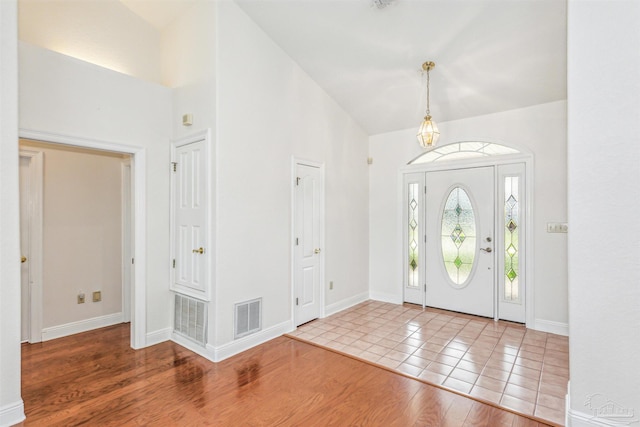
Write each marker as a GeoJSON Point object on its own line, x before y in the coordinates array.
{"type": "Point", "coordinates": [557, 227]}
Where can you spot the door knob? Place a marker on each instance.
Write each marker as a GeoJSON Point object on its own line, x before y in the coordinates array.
{"type": "Point", "coordinates": [23, 259]}
{"type": "Point", "coordinates": [487, 250]}
{"type": "Point", "coordinates": [317, 250]}
{"type": "Point", "coordinates": [198, 251]}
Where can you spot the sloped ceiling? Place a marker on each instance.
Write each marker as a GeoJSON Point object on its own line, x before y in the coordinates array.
{"type": "Point", "coordinates": [491, 55]}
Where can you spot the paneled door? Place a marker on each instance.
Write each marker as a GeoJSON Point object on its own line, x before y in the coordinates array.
{"type": "Point", "coordinates": [307, 245]}
{"type": "Point", "coordinates": [190, 211]}
{"type": "Point", "coordinates": [460, 252]}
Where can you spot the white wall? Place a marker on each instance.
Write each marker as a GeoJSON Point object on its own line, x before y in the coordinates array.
{"type": "Point", "coordinates": [604, 199]}
{"type": "Point", "coordinates": [66, 96]}
{"type": "Point", "coordinates": [268, 110]}
{"type": "Point", "coordinates": [82, 233]}
{"type": "Point", "coordinates": [11, 406]}
{"type": "Point", "coordinates": [540, 129]}
{"type": "Point", "coordinates": [104, 33]}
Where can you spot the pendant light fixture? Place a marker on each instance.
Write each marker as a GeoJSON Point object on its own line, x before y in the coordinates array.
{"type": "Point", "coordinates": [428, 133]}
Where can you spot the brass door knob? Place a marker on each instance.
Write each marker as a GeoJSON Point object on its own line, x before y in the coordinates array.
{"type": "Point", "coordinates": [23, 259]}
{"type": "Point", "coordinates": [317, 251]}
{"type": "Point", "coordinates": [198, 251]}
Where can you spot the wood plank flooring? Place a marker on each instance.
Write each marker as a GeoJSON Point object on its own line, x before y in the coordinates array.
{"type": "Point", "coordinates": [95, 379]}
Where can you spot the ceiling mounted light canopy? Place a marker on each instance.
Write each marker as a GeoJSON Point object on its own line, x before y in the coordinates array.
{"type": "Point", "coordinates": [381, 4]}
{"type": "Point", "coordinates": [428, 133]}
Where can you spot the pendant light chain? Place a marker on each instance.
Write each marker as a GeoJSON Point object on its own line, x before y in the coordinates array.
{"type": "Point", "coordinates": [428, 109]}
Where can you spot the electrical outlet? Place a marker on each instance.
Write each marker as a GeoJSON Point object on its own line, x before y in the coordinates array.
{"type": "Point", "coordinates": [331, 285]}
{"type": "Point", "coordinates": [97, 296]}
{"type": "Point", "coordinates": [81, 298]}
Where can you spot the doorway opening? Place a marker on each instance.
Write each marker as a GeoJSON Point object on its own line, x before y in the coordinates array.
{"type": "Point", "coordinates": [466, 230]}
{"type": "Point", "coordinates": [104, 220]}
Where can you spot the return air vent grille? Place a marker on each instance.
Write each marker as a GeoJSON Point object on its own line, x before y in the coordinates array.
{"type": "Point", "coordinates": [248, 318]}
{"type": "Point", "coordinates": [190, 318]}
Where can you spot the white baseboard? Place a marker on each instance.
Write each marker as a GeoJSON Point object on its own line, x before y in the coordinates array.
{"type": "Point", "coordinates": [12, 414]}
{"type": "Point", "coordinates": [217, 354]}
{"type": "Point", "coordinates": [384, 297]}
{"type": "Point", "coordinates": [238, 346]}
{"type": "Point", "coordinates": [552, 327]}
{"type": "Point", "coordinates": [196, 348]}
{"type": "Point", "coordinates": [583, 419]}
{"type": "Point", "coordinates": [345, 303]}
{"type": "Point", "coordinates": [157, 337]}
{"type": "Point", "coordinates": [81, 326]}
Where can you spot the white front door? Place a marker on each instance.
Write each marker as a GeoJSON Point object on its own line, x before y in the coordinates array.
{"type": "Point", "coordinates": [460, 240]}
{"type": "Point", "coordinates": [307, 250]}
{"type": "Point", "coordinates": [190, 210]}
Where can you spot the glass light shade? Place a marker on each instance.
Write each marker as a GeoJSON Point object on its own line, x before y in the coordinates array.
{"type": "Point", "coordinates": [428, 133]}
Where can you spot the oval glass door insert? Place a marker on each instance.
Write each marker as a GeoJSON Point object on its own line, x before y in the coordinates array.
{"type": "Point", "coordinates": [458, 236]}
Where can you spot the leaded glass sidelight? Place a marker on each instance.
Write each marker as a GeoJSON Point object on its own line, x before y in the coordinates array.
{"type": "Point", "coordinates": [458, 236]}
{"type": "Point", "coordinates": [511, 234]}
{"type": "Point", "coordinates": [414, 239]}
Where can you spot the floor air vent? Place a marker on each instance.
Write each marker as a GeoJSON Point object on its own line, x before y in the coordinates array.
{"type": "Point", "coordinates": [190, 318]}
{"type": "Point", "coordinates": [248, 317]}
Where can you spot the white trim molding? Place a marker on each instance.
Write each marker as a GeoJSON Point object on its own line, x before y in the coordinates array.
{"type": "Point", "coordinates": [81, 326]}
{"type": "Point", "coordinates": [552, 327]}
{"type": "Point", "coordinates": [583, 419]}
{"type": "Point", "coordinates": [345, 303]}
{"type": "Point", "coordinates": [218, 354]}
{"type": "Point", "coordinates": [385, 297]}
{"type": "Point", "coordinates": [12, 414]}
{"type": "Point", "coordinates": [238, 346]}
{"type": "Point", "coordinates": [159, 336]}
{"type": "Point", "coordinates": [139, 284]}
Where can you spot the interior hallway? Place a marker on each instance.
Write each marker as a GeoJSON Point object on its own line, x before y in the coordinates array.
{"type": "Point", "coordinates": [498, 362]}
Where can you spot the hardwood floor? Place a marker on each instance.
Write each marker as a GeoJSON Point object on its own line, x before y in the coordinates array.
{"type": "Point", "coordinates": [95, 379]}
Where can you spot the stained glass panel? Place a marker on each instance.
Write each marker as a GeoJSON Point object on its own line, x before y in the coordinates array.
{"type": "Point", "coordinates": [458, 236]}
{"type": "Point", "coordinates": [511, 234]}
{"type": "Point", "coordinates": [414, 231]}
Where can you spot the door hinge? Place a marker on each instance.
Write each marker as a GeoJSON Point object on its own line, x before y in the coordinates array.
{"type": "Point", "coordinates": [425, 189]}
{"type": "Point", "coordinates": [297, 242]}
{"type": "Point", "coordinates": [174, 165]}
{"type": "Point", "coordinates": [425, 288]}
{"type": "Point", "coordinates": [296, 301]}
{"type": "Point", "coordinates": [174, 263]}
{"type": "Point", "coordinates": [298, 181]}
{"type": "Point", "coordinates": [425, 238]}
{"type": "Point", "coordinates": [133, 260]}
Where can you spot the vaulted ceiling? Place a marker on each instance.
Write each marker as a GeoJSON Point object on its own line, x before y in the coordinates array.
{"type": "Point", "coordinates": [490, 55]}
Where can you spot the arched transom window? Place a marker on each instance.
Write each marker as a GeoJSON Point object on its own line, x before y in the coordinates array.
{"type": "Point", "coordinates": [463, 150]}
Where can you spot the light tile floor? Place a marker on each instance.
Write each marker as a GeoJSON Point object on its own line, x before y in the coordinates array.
{"type": "Point", "coordinates": [500, 362]}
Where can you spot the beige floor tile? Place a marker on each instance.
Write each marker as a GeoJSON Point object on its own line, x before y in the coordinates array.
{"type": "Point", "coordinates": [498, 362]}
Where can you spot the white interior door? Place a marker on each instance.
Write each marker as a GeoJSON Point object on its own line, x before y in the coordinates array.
{"type": "Point", "coordinates": [414, 243]}
{"type": "Point", "coordinates": [190, 210]}
{"type": "Point", "coordinates": [460, 240]}
{"type": "Point", "coordinates": [25, 183]}
{"type": "Point", "coordinates": [307, 249]}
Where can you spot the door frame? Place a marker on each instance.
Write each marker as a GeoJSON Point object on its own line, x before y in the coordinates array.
{"type": "Point", "coordinates": [295, 161]}
{"type": "Point", "coordinates": [524, 156]}
{"type": "Point", "coordinates": [138, 168]}
{"type": "Point", "coordinates": [35, 215]}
